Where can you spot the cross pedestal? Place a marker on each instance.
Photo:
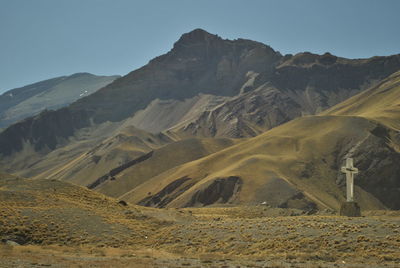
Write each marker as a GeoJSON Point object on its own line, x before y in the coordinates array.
{"type": "Point", "coordinates": [350, 208]}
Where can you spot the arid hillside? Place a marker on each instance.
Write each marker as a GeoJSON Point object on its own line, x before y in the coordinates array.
{"type": "Point", "coordinates": [53, 223]}
{"type": "Point", "coordinates": [89, 154]}
{"type": "Point", "coordinates": [19, 103]}
{"type": "Point", "coordinates": [298, 163]}
{"type": "Point", "coordinates": [380, 103]}
{"type": "Point", "coordinates": [262, 88]}
{"type": "Point", "coordinates": [160, 160]}
{"type": "Point", "coordinates": [217, 121]}
{"type": "Point", "coordinates": [45, 212]}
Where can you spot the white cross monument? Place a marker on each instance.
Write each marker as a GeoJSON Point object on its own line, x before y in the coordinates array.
{"type": "Point", "coordinates": [350, 170]}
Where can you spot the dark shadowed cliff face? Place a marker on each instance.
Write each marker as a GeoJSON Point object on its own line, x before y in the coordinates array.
{"type": "Point", "coordinates": [44, 131]}
{"type": "Point", "coordinates": [380, 174]}
{"type": "Point", "coordinates": [318, 82]}
{"type": "Point", "coordinates": [200, 62]}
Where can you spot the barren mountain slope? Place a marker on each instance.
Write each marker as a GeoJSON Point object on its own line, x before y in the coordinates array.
{"type": "Point", "coordinates": [89, 154]}
{"type": "Point", "coordinates": [20, 103]}
{"type": "Point", "coordinates": [245, 115]}
{"type": "Point", "coordinates": [200, 62]}
{"type": "Point", "coordinates": [302, 84]}
{"type": "Point", "coordinates": [296, 164]}
{"type": "Point", "coordinates": [196, 64]}
{"type": "Point", "coordinates": [97, 159]}
{"type": "Point", "coordinates": [160, 115]}
{"type": "Point", "coordinates": [114, 164]}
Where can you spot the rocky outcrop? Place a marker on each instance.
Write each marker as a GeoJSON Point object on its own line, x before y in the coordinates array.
{"type": "Point", "coordinates": [199, 62]}
{"type": "Point", "coordinates": [216, 191]}
{"type": "Point", "coordinates": [220, 190]}
{"type": "Point", "coordinates": [110, 175]}
{"type": "Point", "coordinates": [303, 84]}
{"type": "Point", "coordinates": [317, 82]}
{"type": "Point", "coordinates": [168, 193]}
{"type": "Point", "coordinates": [246, 115]}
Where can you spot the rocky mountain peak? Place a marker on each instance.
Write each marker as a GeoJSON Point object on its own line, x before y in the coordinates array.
{"type": "Point", "coordinates": [204, 63]}
{"type": "Point", "coordinates": [196, 36]}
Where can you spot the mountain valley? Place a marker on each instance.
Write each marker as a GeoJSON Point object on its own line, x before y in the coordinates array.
{"type": "Point", "coordinates": [218, 152]}
{"type": "Point", "coordinates": [171, 130]}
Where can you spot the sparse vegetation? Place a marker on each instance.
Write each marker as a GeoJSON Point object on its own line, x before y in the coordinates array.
{"type": "Point", "coordinates": [74, 223]}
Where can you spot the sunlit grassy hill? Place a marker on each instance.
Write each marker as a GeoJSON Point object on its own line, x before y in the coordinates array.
{"type": "Point", "coordinates": [163, 159]}
{"type": "Point", "coordinates": [297, 164]}
{"type": "Point", "coordinates": [380, 103]}
{"type": "Point", "coordinates": [37, 211]}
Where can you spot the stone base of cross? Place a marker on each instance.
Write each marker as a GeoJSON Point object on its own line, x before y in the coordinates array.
{"type": "Point", "coordinates": [350, 209]}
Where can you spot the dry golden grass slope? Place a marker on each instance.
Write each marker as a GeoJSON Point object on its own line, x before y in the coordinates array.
{"type": "Point", "coordinates": [91, 153]}
{"type": "Point", "coordinates": [380, 103]}
{"type": "Point", "coordinates": [297, 164]}
{"type": "Point", "coordinates": [127, 144]}
{"type": "Point", "coordinates": [162, 159]}
{"type": "Point", "coordinates": [37, 211]}
{"type": "Point", "coordinates": [63, 225]}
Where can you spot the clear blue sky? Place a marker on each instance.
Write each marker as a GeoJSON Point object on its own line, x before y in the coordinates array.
{"type": "Point", "coordinates": [41, 39]}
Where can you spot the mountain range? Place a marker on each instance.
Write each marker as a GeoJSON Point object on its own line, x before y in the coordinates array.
{"type": "Point", "coordinates": [217, 121]}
